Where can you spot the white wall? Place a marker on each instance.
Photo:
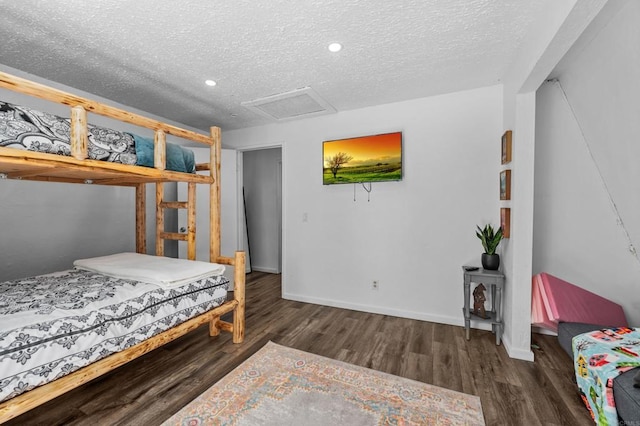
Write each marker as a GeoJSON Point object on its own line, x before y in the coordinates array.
{"type": "Point", "coordinates": [44, 227]}
{"type": "Point", "coordinates": [552, 35]}
{"type": "Point", "coordinates": [414, 235]}
{"type": "Point", "coordinates": [260, 177]}
{"type": "Point", "coordinates": [587, 194]}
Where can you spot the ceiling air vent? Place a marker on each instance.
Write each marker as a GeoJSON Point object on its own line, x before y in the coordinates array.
{"type": "Point", "coordinates": [299, 103]}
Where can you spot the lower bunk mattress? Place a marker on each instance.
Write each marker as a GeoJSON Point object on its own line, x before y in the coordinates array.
{"type": "Point", "coordinates": [54, 324]}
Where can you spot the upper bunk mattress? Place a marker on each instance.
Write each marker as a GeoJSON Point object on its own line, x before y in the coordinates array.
{"type": "Point", "coordinates": [52, 325]}
{"type": "Point", "coordinates": [33, 130]}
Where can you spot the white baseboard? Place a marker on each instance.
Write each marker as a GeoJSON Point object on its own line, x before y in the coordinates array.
{"type": "Point", "coordinates": [265, 269]}
{"type": "Point", "coordinates": [382, 310]}
{"type": "Point", "coordinates": [525, 355]}
{"type": "Point", "coordinates": [517, 353]}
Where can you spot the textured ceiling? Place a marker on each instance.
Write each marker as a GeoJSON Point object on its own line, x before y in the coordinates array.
{"type": "Point", "coordinates": [155, 54]}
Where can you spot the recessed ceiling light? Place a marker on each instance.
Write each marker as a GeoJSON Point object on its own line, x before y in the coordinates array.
{"type": "Point", "coordinates": [335, 47]}
{"type": "Point", "coordinates": [210, 83]}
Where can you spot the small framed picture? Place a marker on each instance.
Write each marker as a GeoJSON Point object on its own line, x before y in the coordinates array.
{"type": "Point", "coordinates": [506, 147]}
{"type": "Point", "coordinates": [505, 221]}
{"type": "Point", "coordinates": [505, 185]}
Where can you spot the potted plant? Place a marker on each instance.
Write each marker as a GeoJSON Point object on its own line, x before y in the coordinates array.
{"type": "Point", "coordinates": [490, 240]}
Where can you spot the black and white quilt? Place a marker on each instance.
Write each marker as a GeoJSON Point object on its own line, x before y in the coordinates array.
{"type": "Point", "coordinates": [32, 130]}
{"type": "Point", "coordinates": [52, 325]}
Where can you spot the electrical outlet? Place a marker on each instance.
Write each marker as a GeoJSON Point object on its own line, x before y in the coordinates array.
{"type": "Point", "coordinates": [374, 285]}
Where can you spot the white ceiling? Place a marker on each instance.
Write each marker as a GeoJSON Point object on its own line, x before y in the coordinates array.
{"type": "Point", "coordinates": [154, 55]}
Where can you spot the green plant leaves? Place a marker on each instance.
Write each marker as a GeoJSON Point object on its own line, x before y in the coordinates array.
{"type": "Point", "coordinates": [489, 238]}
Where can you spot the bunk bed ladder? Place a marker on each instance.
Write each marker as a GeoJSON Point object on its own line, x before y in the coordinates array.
{"type": "Point", "coordinates": [188, 234]}
{"type": "Point", "coordinates": [159, 162]}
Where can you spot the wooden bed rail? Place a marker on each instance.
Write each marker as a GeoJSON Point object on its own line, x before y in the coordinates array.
{"type": "Point", "coordinates": [238, 262]}
{"type": "Point", "coordinates": [78, 168]}
{"type": "Point", "coordinates": [38, 396]}
{"type": "Point", "coordinates": [21, 85]}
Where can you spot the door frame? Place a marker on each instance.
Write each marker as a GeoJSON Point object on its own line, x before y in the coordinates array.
{"type": "Point", "coordinates": [283, 191]}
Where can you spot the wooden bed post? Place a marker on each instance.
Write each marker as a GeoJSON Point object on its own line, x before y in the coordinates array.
{"type": "Point", "coordinates": [159, 162]}
{"type": "Point", "coordinates": [159, 150]}
{"type": "Point", "coordinates": [159, 219]}
{"type": "Point", "coordinates": [238, 261]}
{"type": "Point", "coordinates": [238, 296]}
{"type": "Point", "coordinates": [79, 133]}
{"type": "Point", "coordinates": [141, 218]}
{"type": "Point", "coordinates": [214, 195]}
{"type": "Point", "coordinates": [191, 221]}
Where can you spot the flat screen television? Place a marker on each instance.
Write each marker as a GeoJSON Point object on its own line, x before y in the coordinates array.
{"type": "Point", "coordinates": [376, 158]}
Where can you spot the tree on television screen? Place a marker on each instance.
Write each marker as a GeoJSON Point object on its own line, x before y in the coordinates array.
{"type": "Point", "coordinates": [334, 163]}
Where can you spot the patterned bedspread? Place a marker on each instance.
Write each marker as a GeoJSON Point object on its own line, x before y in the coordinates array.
{"type": "Point", "coordinates": [32, 130]}
{"type": "Point", "coordinates": [599, 357]}
{"type": "Point", "coordinates": [55, 324]}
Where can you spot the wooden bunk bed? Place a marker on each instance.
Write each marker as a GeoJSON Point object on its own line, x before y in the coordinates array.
{"type": "Point", "coordinates": [28, 165]}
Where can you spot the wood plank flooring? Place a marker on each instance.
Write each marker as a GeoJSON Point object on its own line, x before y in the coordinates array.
{"type": "Point", "coordinates": [150, 389]}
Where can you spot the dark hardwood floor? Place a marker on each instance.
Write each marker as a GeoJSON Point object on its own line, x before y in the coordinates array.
{"type": "Point", "coordinates": [150, 389]}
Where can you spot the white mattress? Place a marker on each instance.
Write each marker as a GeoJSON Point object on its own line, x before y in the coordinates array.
{"type": "Point", "coordinates": [166, 272]}
{"type": "Point", "coordinates": [54, 324]}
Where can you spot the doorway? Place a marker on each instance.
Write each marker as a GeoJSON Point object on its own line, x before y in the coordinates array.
{"type": "Point", "coordinates": [262, 196]}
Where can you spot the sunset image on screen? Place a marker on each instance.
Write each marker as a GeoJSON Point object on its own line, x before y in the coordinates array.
{"type": "Point", "coordinates": [364, 159]}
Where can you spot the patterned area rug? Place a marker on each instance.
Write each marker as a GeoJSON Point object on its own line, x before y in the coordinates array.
{"type": "Point", "coordinates": [284, 386]}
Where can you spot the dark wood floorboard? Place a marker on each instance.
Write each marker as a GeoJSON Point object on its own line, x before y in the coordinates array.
{"type": "Point", "coordinates": [150, 389]}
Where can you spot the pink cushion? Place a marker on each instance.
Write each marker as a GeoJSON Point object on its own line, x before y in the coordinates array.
{"type": "Point", "coordinates": [539, 316]}
{"type": "Point", "coordinates": [554, 300]}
